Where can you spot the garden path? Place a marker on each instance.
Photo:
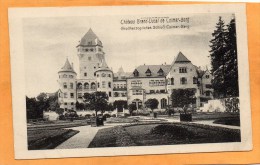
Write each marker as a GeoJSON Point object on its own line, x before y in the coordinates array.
{"type": "Point", "coordinates": [210, 122]}
{"type": "Point", "coordinates": [83, 138]}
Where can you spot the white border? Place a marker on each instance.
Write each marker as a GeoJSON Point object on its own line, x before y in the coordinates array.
{"type": "Point", "coordinates": [18, 79]}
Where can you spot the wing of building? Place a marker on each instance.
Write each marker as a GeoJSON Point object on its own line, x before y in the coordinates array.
{"type": "Point", "coordinates": [145, 82]}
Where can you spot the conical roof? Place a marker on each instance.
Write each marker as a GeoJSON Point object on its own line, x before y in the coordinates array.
{"type": "Point", "coordinates": [90, 39]}
{"type": "Point", "coordinates": [121, 70]}
{"type": "Point", "coordinates": [67, 67]}
{"type": "Point", "coordinates": [103, 66]}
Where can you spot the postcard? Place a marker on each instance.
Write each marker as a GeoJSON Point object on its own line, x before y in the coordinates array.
{"type": "Point", "coordinates": [129, 80]}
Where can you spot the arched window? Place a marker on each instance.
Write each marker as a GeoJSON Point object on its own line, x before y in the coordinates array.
{"type": "Point", "coordinates": [97, 75]}
{"type": "Point", "coordinates": [64, 76]}
{"type": "Point", "coordinates": [93, 85]}
{"type": "Point", "coordinates": [79, 86]}
{"type": "Point", "coordinates": [163, 103]}
{"type": "Point", "coordinates": [86, 85]}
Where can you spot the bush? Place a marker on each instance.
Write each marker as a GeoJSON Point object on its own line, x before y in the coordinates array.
{"type": "Point", "coordinates": [185, 117]}
{"type": "Point", "coordinates": [62, 117]}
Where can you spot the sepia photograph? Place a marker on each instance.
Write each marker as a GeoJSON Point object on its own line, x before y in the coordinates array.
{"type": "Point", "coordinates": [129, 80]}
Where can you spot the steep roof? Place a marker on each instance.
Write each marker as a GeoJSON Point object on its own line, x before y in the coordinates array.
{"type": "Point", "coordinates": [180, 59]}
{"type": "Point", "coordinates": [67, 67]}
{"type": "Point", "coordinates": [103, 66]}
{"type": "Point", "coordinates": [90, 39]}
{"type": "Point", "coordinates": [154, 70]}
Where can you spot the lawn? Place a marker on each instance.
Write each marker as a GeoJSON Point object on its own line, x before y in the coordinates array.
{"type": "Point", "coordinates": [48, 138]}
{"type": "Point", "coordinates": [163, 134]}
{"type": "Point", "coordinates": [57, 124]}
{"type": "Point", "coordinates": [235, 121]}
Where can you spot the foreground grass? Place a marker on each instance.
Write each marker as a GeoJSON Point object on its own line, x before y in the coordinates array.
{"type": "Point", "coordinates": [163, 134]}
{"type": "Point", "coordinates": [48, 138]}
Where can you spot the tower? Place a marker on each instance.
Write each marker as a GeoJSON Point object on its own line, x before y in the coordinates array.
{"type": "Point", "coordinates": [67, 84]}
{"type": "Point", "coordinates": [90, 53]}
{"type": "Point", "coordinates": [104, 77]}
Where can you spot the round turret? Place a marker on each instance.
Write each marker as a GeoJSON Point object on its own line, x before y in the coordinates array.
{"type": "Point", "coordinates": [67, 85]}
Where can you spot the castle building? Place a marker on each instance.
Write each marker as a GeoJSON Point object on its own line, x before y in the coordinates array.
{"type": "Point", "coordinates": [145, 82]}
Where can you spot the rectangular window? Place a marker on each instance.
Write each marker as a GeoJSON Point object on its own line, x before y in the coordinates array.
{"type": "Point", "coordinates": [124, 85]}
{"type": "Point", "coordinates": [65, 85]}
{"type": "Point", "coordinates": [65, 95]}
{"type": "Point", "coordinates": [65, 103]}
{"type": "Point", "coordinates": [183, 80]}
{"type": "Point", "coordinates": [72, 103]}
{"type": "Point", "coordinates": [103, 84]}
{"type": "Point", "coordinates": [137, 92]}
{"type": "Point", "coordinates": [80, 95]}
{"type": "Point", "coordinates": [136, 83]}
{"type": "Point", "coordinates": [151, 82]}
{"type": "Point", "coordinates": [71, 95]}
{"type": "Point", "coordinates": [71, 85]}
{"type": "Point", "coordinates": [162, 91]}
{"type": "Point", "coordinates": [195, 81]}
{"type": "Point", "coordinates": [152, 91]}
{"type": "Point", "coordinates": [182, 70]}
{"type": "Point", "coordinates": [109, 94]}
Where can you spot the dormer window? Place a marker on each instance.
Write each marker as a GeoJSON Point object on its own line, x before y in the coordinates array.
{"type": "Point", "coordinates": [160, 72]}
{"type": "Point", "coordinates": [148, 72]}
{"type": "Point", "coordinates": [136, 73]}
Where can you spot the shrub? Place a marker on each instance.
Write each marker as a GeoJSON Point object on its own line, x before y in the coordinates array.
{"type": "Point", "coordinates": [62, 117]}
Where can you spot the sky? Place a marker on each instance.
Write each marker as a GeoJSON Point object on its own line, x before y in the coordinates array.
{"type": "Point", "coordinates": [48, 41]}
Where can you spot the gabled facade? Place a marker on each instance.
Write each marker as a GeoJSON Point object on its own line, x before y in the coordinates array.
{"type": "Point", "coordinates": [145, 82]}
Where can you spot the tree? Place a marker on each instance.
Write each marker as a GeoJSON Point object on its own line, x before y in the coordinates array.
{"type": "Point", "coordinates": [110, 107]}
{"type": "Point", "coordinates": [32, 109]}
{"type": "Point", "coordinates": [152, 104]}
{"type": "Point", "coordinates": [132, 107]}
{"type": "Point", "coordinates": [232, 88]}
{"type": "Point", "coordinates": [183, 97]}
{"type": "Point", "coordinates": [42, 102]}
{"type": "Point", "coordinates": [80, 106]}
{"type": "Point", "coordinates": [53, 102]}
{"type": "Point", "coordinates": [223, 55]}
{"type": "Point", "coordinates": [59, 111]}
{"type": "Point", "coordinates": [218, 49]}
{"type": "Point", "coordinates": [97, 101]}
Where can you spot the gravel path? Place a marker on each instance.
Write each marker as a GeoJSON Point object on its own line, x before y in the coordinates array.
{"type": "Point", "coordinates": [83, 138]}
